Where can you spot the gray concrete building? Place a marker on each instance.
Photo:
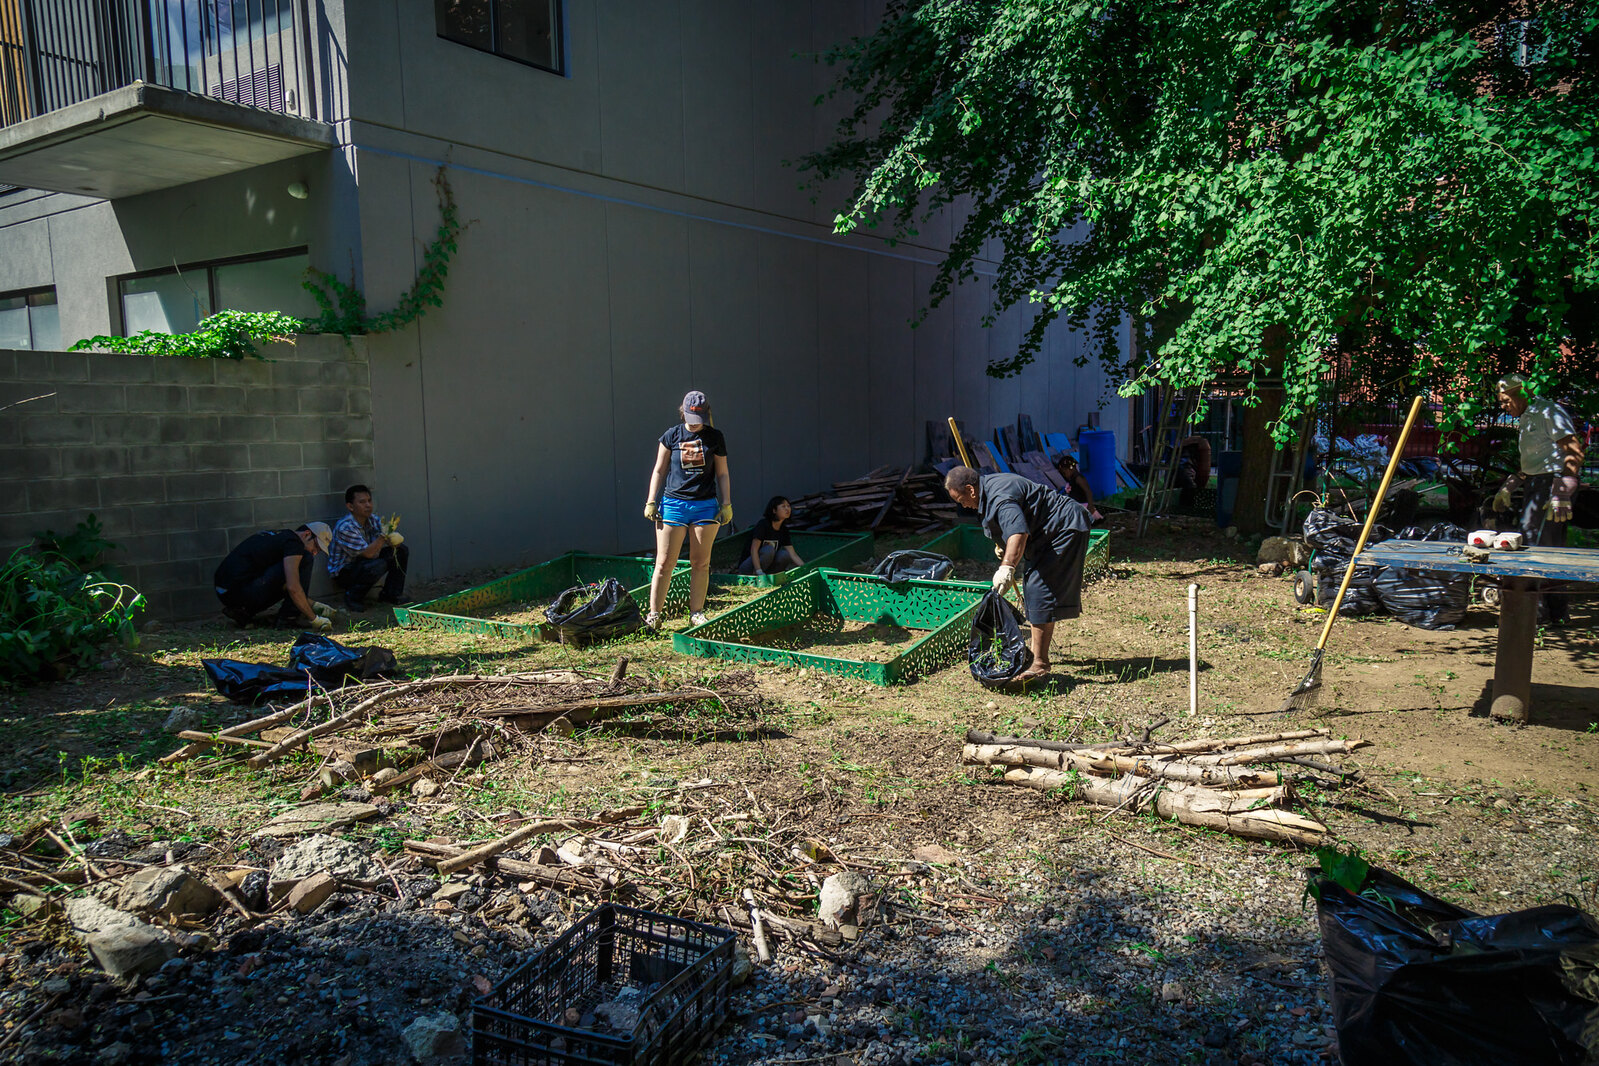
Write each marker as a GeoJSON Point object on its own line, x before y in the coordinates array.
{"type": "Point", "coordinates": [635, 229]}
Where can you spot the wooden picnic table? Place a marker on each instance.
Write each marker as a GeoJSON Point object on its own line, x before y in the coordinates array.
{"type": "Point", "coordinates": [1521, 576]}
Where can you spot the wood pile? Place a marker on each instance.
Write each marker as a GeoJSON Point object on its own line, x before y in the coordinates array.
{"type": "Point", "coordinates": [1228, 784]}
{"type": "Point", "coordinates": [890, 499]}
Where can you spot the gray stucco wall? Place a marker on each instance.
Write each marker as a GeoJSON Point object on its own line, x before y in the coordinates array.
{"type": "Point", "coordinates": [638, 234]}
{"type": "Point", "coordinates": [181, 458]}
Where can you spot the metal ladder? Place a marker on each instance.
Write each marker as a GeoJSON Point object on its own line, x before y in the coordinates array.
{"type": "Point", "coordinates": [1284, 484]}
{"type": "Point", "coordinates": [1177, 408]}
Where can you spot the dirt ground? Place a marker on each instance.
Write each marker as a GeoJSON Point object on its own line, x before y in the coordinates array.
{"type": "Point", "coordinates": [1492, 816]}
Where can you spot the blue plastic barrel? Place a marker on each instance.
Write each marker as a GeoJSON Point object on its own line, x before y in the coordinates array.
{"type": "Point", "coordinates": [1098, 450]}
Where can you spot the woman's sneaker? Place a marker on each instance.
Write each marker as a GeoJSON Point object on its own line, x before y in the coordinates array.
{"type": "Point", "coordinates": [652, 621]}
{"type": "Point", "coordinates": [697, 618]}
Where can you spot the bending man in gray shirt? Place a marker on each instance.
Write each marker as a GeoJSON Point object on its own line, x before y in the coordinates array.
{"type": "Point", "coordinates": [1046, 528]}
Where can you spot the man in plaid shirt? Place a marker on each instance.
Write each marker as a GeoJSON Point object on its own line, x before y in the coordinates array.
{"type": "Point", "coordinates": [362, 554]}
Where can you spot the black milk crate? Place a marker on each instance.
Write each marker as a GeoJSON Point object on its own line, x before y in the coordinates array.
{"type": "Point", "coordinates": [689, 966]}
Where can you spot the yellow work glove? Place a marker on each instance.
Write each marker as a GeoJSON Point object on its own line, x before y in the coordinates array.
{"type": "Point", "coordinates": [395, 539]}
{"type": "Point", "coordinates": [1558, 509]}
{"type": "Point", "coordinates": [999, 552]}
{"type": "Point", "coordinates": [725, 515]}
{"type": "Point", "coordinates": [1004, 576]}
{"type": "Point", "coordinates": [322, 624]}
{"type": "Point", "coordinates": [390, 524]}
{"type": "Point", "coordinates": [1502, 499]}
{"type": "Point", "coordinates": [652, 511]}
{"type": "Point", "coordinates": [322, 609]}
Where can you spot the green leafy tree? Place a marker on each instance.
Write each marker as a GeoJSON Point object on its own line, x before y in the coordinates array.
{"type": "Point", "coordinates": [1259, 186]}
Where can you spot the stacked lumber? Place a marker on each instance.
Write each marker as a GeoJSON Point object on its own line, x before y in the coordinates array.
{"type": "Point", "coordinates": [887, 500]}
{"type": "Point", "coordinates": [1227, 784]}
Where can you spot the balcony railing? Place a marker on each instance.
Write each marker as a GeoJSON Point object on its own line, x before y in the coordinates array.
{"type": "Point", "coordinates": [54, 53]}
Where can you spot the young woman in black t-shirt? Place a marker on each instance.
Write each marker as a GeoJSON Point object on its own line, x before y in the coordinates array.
{"type": "Point", "coordinates": [770, 547]}
{"type": "Point", "coordinates": [689, 496]}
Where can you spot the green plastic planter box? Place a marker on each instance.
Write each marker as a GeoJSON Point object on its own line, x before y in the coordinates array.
{"type": "Point", "coordinates": [545, 581]}
{"type": "Point", "coordinates": [819, 550]}
{"type": "Point", "coordinates": [968, 542]}
{"type": "Point", "coordinates": [944, 607]}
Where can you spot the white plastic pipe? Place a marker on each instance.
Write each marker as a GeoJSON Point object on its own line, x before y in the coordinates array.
{"type": "Point", "coordinates": [1193, 649]}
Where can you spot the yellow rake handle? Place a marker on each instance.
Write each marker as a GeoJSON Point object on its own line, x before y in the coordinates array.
{"type": "Point", "coordinates": [959, 443]}
{"type": "Point", "coordinates": [1371, 519]}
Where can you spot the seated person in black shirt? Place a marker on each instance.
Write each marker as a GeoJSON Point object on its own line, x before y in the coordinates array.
{"type": "Point", "coordinates": [770, 550]}
{"type": "Point", "coordinates": [273, 566]}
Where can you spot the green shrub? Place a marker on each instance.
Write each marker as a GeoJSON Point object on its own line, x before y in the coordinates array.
{"type": "Point", "coordinates": [59, 603]}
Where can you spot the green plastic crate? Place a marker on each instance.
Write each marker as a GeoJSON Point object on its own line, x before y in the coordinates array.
{"type": "Point", "coordinates": [969, 542]}
{"type": "Point", "coordinates": [545, 581]}
{"type": "Point", "coordinates": [944, 607]}
{"type": "Point", "coordinates": [819, 550]}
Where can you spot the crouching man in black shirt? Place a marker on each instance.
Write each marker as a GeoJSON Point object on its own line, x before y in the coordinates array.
{"type": "Point", "coordinates": [273, 566]}
{"type": "Point", "coordinates": [1046, 528]}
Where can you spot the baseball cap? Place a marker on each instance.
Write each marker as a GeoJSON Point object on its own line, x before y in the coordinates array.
{"type": "Point", "coordinates": [323, 535]}
{"type": "Point", "coordinates": [696, 408]}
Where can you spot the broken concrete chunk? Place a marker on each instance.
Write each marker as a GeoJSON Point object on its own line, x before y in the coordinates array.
{"type": "Point", "coordinates": [317, 817]}
{"type": "Point", "coordinates": [385, 775]}
{"type": "Point", "coordinates": [122, 944]}
{"type": "Point", "coordinates": [322, 852]}
{"type": "Point", "coordinates": [167, 891]}
{"type": "Point", "coordinates": [31, 906]}
{"type": "Point", "coordinates": [434, 1038]}
{"type": "Point", "coordinates": [314, 891]}
{"type": "Point", "coordinates": [840, 901]}
{"type": "Point", "coordinates": [425, 788]}
{"type": "Point", "coordinates": [183, 718]}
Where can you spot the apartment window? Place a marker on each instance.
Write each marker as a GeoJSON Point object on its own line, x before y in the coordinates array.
{"type": "Point", "coordinates": [174, 301]}
{"type": "Point", "coordinates": [30, 320]}
{"type": "Point", "coordinates": [528, 31]}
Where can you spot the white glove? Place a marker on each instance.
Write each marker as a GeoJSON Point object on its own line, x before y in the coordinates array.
{"type": "Point", "coordinates": [395, 539]}
{"type": "Point", "coordinates": [322, 624]}
{"type": "Point", "coordinates": [1004, 576]}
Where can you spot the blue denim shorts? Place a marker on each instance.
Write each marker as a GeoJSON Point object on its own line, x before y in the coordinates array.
{"type": "Point", "coordinates": [675, 512]}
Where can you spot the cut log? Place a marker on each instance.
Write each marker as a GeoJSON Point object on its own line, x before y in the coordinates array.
{"type": "Point", "coordinates": [1114, 765]}
{"type": "Point", "coordinates": [976, 736]}
{"type": "Point", "coordinates": [583, 710]}
{"type": "Point", "coordinates": [1279, 751]}
{"type": "Point", "coordinates": [1188, 804]}
{"type": "Point", "coordinates": [218, 738]}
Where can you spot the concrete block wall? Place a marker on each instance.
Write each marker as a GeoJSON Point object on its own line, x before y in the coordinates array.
{"type": "Point", "coordinates": [181, 458]}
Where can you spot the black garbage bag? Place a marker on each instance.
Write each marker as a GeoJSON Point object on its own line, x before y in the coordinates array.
{"type": "Point", "coordinates": [998, 651]}
{"type": "Point", "coordinates": [1417, 980]}
{"type": "Point", "coordinates": [315, 662]}
{"type": "Point", "coordinates": [1421, 598]}
{"type": "Point", "coordinates": [909, 563]}
{"type": "Point", "coordinates": [1333, 538]}
{"type": "Point", "coordinates": [594, 612]}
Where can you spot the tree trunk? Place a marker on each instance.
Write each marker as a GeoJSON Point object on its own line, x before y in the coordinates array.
{"type": "Point", "coordinates": [1249, 507]}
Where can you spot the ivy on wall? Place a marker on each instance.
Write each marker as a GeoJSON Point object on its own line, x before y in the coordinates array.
{"type": "Point", "coordinates": [235, 334]}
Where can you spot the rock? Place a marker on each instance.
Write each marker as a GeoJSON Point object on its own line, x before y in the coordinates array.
{"type": "Point", "coordinates": [743, 966]}
{"type": "Point", "coordinates": [1172, 991]}
{"type": "Point", "coordinates": [31, 906]}
{"type": "Point", "coordinates": [840, 900]}
{"type": "Point", "coordinates": [167, 891]}
{"type": "Point", "coordinates": [116, 1054]}
{"type": "Point", "coordinates": [65, 1018]}
{"type": "Point", "coordinates": [122, 944]}
{"type": "Point", "coordinates": [385, 775]}
{"type": "Point", "coordinates": [561, 727]}
{"type": "Point", "coordinates": [546, 856]}
{"type": "Point", "coordinates": [622, 1015]}
{"type": "Point", "coordinates": [935, 853]}
{"type": "Point", "coordinates": [425, 788]}
{"type": "Point", "coordinates": [434, 1038]}
{"type": "Point", "coordinates": [1270, 569]}
{"type": "Point", "coordinates": [1273, 550]}
{"type": "Point", "coordinates": [452, 892]}
{"type": "Point", "coordinates": [253, 889]}
{"type": "Point", "coordinates": [316, 817]}
{"type": "Point", "coordinates": [321, 852]}
{"type": "Point", "coordinates": [337, 772]}
{"type": "Point", "coordinates": [183, 718]}
{"type": "Point", "coordinates": [312, 892]}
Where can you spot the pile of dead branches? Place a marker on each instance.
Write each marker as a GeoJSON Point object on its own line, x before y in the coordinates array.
{"type": "Point", "coordinates": [386, 736]}
{"type": "Point", "coordinates": [1221, 784]}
